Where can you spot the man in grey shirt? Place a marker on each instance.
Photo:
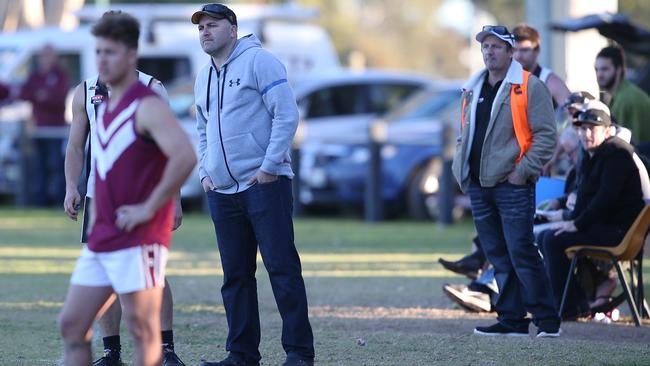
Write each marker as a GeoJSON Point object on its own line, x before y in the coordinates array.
{"type": "Point", "coordinates": [246, 119]}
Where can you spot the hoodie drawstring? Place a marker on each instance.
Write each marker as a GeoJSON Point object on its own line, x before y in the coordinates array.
{"type": "Point", "coordinates": [207, 95]}
{"type": "Point", "coordinates": [223, 86]}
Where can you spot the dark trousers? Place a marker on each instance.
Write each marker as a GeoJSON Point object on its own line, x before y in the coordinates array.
{"type": "Point", "coordinates": [557, 263]}
{"type": "Point", "coordinates": [503, 216]}
{"type": "Point", "coordinates": [47, 169]}
{"type": "Point", "coordinates": [260, 216]}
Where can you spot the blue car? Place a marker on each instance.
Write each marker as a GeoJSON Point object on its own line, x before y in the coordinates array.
{"type": "Point", "coordinates": [411, 152]}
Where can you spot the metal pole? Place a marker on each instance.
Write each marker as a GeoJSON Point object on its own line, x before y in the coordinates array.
{"type": "Point", "coordinates": [446, 195]}
{"type": "Point", "coordinates": [298, 209]}
{"type": "Point", "coordinates": [23, 188]}
{"type": "Point", "coordinates": [373, 202]}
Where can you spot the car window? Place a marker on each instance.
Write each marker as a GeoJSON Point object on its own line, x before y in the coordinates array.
{"type": "Point", "coordinates": [384, 97]}
{"type": "Point", "coordinates": [428, 105]}
{"type": "Point", "coordinates": [372, 98]}
{"type": "Point", "coordinates": [166, 68]}
{"type": "Point", "coordinates": [334, 101]}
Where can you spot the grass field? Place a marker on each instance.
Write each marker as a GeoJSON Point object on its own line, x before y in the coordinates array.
{"type": "Point", "coordinates": [376, 282]}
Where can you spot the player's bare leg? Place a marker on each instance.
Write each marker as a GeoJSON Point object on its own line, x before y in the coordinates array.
{"type": "Point", "coordinates": [141, 311]}
{"type": "Point", "coordinates": [82, 306]}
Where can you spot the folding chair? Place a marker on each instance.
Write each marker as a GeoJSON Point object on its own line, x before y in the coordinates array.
{"type": "Point", "coordinates": [629, 249]}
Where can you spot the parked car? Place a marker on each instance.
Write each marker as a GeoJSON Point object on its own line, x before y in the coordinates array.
{"type": "Point", "coordinates": [340, 103]}
{"type": "Point", "coordinates": [411, 158]}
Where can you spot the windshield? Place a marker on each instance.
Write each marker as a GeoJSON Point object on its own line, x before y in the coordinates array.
{"type": "Point", "coordinates": [427, 104]}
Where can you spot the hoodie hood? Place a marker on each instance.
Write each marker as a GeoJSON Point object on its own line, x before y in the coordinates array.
{"type": "Point", "coordinates": [242, 45]}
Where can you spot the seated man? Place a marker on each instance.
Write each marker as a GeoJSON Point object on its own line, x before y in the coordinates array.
{"type": "Point", "coordinates": [609, 198]}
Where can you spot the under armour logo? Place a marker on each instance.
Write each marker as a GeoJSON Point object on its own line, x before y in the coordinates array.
{"type": "Point", "coordinates": [236, 82]}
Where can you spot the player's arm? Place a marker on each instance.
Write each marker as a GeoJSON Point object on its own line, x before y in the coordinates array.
{"type": "Point", "coordinates": [156, 120]}
{"type": "Point", "coordinates": [558, 89]}
{"type": "Point", "coordinates": [158, 87]}
{"type": "Point", "coordinates": [74, 153]}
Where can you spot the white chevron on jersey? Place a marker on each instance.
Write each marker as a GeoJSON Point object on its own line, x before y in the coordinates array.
{"type": "Point", "coordinates": [106, 133]}
{"type": "Point", "coordinates": [109, 144]}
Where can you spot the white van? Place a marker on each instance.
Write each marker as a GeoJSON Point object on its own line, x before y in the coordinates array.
{"type": "Point", "coordinates": [169, 45]}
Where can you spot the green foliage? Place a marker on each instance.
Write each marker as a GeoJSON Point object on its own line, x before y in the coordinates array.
{"type": "Point", "coordinates": [637, 10]}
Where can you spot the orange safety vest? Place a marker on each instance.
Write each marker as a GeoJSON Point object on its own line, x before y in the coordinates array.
{"type": "Point", "coordinates": [519, 108]}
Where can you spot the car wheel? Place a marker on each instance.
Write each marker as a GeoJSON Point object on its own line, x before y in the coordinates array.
{"type": "Point", "coordinates": [416, 196]}
{"type": "Point", "coordinates": [422, 198]}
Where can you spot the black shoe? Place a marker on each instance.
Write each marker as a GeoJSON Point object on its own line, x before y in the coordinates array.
{"type": "Point", "coordinates": [469, 300]}
{"type": "Point", "coordinates": [466, 266]}
{"type": "Point", "coordinates": [297, 362]}
{"type": "Point", "coordinates": [479, 287]}
{"type": "Point", "coordinates": [499, 329]}
{"type": "Point", "coordinates": [231, 360]}
{"type": "Point", "coordinates": [170, 358]}
{"type": "Point", "coordinates": [548, 331]}
{"type": "Point", "coordinates": [110, 358]}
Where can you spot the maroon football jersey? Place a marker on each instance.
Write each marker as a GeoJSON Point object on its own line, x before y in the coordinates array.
{"type": "Point", "coordinates": [128, 166]}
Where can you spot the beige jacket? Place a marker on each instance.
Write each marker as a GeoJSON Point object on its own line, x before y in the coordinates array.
{"type": "Point", "coordinates": [500, 148]}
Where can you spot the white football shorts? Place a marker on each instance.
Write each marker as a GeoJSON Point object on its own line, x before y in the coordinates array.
{"type": "Point", "coordinates": [126, 270]}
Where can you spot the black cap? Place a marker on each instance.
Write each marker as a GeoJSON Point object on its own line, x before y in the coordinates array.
{"type": "Point", "coordinates": [217, 11]}
{"type": "Point", "coordinates": [578, 99]}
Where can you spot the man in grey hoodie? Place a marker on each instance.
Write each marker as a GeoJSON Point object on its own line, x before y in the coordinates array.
{"type": "Point", "coordinates": [246, 118]}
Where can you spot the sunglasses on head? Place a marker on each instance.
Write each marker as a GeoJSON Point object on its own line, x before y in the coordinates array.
{"type": "Point", "coordinates": [590, 117]}
{"type": "Point", "coordinates": [498, 29]}
{"type": "Point", "coordinates": [220, 10]}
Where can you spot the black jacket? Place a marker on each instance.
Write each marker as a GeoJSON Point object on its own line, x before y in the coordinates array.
{"type": "Point", "coordinates": [609, 192]}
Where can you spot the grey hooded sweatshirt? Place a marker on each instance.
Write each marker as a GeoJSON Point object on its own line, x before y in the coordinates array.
{"type": "Point", "coordinates": [246, 116]}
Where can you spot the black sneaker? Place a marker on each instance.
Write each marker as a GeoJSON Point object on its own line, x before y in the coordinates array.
{"type": "Point", "coordinates": [467, 266]}
{"type": "Point", "coordinates": [231, 360]}
{"type": "Point", "coordinates": [170, 358]}
{"type": "Point", "coordinates": [110, 358]}
{"type": "Point", "coordinates": [499, 329]}
{"type": "Point", "coordinates": [545, 331]}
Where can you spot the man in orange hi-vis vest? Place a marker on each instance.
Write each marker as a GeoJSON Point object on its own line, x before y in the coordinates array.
{"type": "Point", "coordinates": [507, 135]}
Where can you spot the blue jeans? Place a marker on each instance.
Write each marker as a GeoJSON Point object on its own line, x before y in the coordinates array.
{"type": "Point", "coordinates": [48, 187]}
{"type": "Point", "coordinates": [260, 216]}
{"type": "Point", "coordinates": [503, 216]}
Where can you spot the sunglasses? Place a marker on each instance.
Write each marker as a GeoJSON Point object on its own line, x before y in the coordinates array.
{"type": "Point", "coordinates": [498, 29]}
{"type": "Point", "coordinates": [221, 10]}
{"type": "Point", "coordinates": [590, 117]}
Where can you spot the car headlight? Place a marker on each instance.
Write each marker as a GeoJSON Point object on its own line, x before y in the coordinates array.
{"type": "Point", "coordinates": [360, 155]}
{"type": "Point", "coordinates": [388, 152]}
{"type": "Point", "coordinates": [431, 185]}
{"type": "Point", "coordinates": [317, 178]}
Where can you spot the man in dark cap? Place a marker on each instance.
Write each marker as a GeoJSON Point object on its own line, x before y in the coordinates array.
{"type": "Point", "coordinates": [246, 119]}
